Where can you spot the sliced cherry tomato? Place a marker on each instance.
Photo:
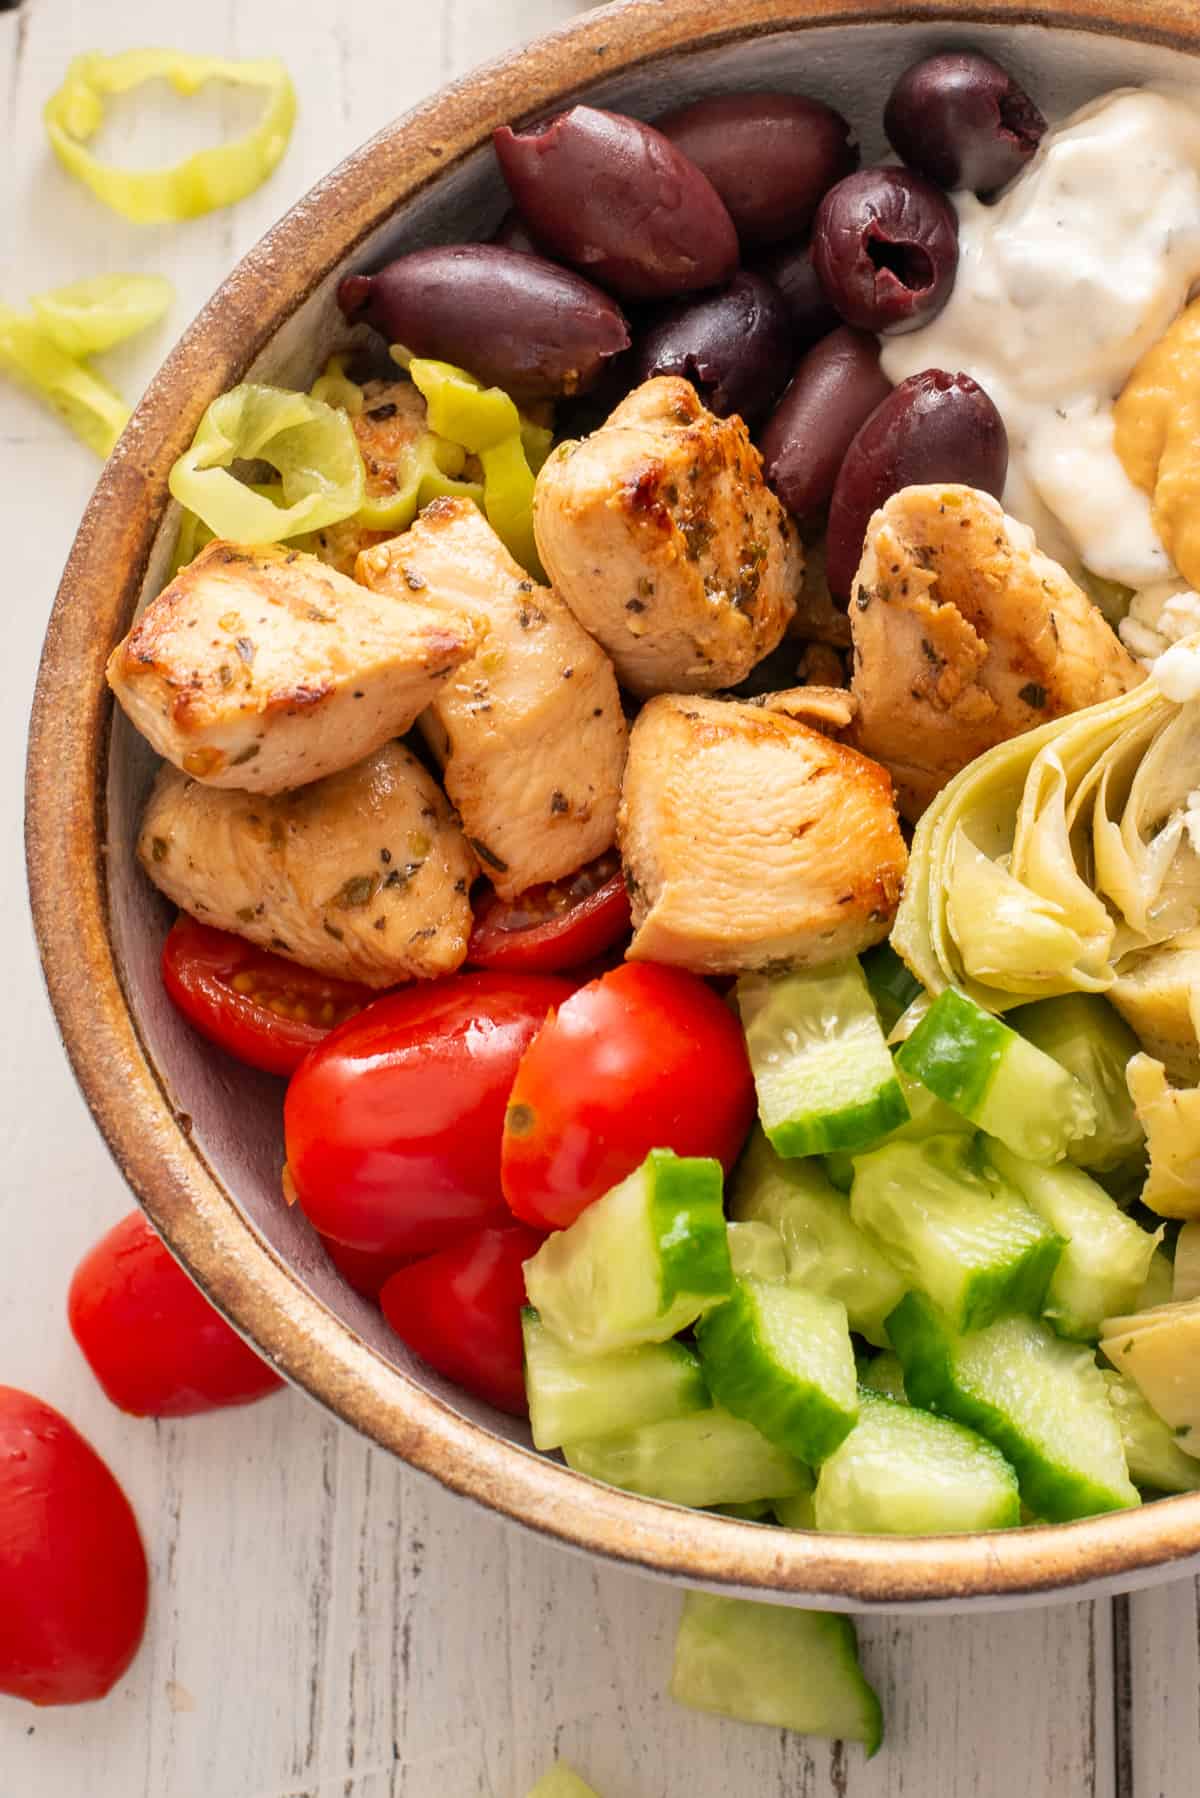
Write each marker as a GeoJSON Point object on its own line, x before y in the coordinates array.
{"type": "Point", "coordinates": [72, 1567]}
{"type": "Point", "coordinates": [393, 1124]}
{"type": "Point", "coordinates": [553, 927]}
{"type": "Point", "coordinates": [266, 1011]}
{"type": "Point", "coordinates": [367, 1273]}
{"type": "Point", "coordinates": [156, 1345]}
{"type": "Point", "coordinates": [644, 1058]}
{"type": "Point", "coordinates": [460, 1310]}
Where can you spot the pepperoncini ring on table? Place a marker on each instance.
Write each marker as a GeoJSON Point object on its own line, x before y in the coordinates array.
{"type": "Point", "coordinates": [88, 405]}
{"type": "Point", "coordinates": [90, 316]}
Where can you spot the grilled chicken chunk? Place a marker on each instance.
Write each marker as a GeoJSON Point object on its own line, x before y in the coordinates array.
{"type": "Point", "coordinates": [966, 635]}
{"type": "Point", "coordinates": [262, 669]}
{"type": "Point", "coordinates": [663, 538]}
{"type": "Point", "coordinates": [530, 732]}
{"type": "Point", "coordinates": [364, 874]}
{"type": "Point", "coordinates": [752, 841]}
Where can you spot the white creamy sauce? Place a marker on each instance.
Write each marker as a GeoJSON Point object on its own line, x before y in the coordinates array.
{"type": "Point", "coordinates": [1063, 285]}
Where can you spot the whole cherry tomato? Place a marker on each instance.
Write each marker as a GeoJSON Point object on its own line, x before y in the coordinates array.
{"type": "Point", "coordinates": [552, 927]}
{"type": "Point", "coordinates": [264, 1010]}
{"type": "Point", "coordinates": [72, 1568]}
{"type": "Point", "coordinates": [460, 1310]}
{"type": "Point", "coordinates": [646, 1057]}
{"type": "Point", "coordinates": [367, 1273]}
{"type": "Point", "coordinates": [393, 1124]}
{"type": "Point", "coordinates": [156, 1345]}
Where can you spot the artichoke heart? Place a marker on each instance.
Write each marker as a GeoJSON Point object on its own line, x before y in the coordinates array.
{"type": "Point", "coordinates": [1159, 1350]}
{"type": "Point", "coordinates": [1170, 1117]}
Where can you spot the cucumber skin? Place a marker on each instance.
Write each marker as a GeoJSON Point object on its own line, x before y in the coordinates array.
{"type": "Point", "coordinates": [955, 1051]}
{"type": "Point", "coordinates": [658, 1381]}
{"type": "Point", "coordinates": [805, 1422]}
{"type": "Point", "coordinates": [926, 1351]}
{"type": "Point", "coordinates": [855, 1128]}
{"type": "Point", "coordinates": [692, 1244]}
{"type": "Point", "coordinates": [890, 984]}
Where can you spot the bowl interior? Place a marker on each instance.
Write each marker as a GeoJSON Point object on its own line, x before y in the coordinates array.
{"type": "Point", "coordinates": [233, 1116]}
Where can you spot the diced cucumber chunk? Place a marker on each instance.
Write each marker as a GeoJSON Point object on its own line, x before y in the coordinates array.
{"type": "Point", "coordinates": [1107, 1256]}
{"type": "Point", "coordinates": [1159, 1287]}
{"type": "Point", "coordinates": [562, 1782]}
{"type": "Point", "coordinates": [1002, 1083]}
{"type": "Point", "coordinates": [782, 1359]}
{"type": "Point", "coordinates": [903, 1472]}
{"type": "Point", "coordinates": [767, 1663]}
{"type": "Point", "coordinates": [954, 1228]}
{"type": "Point", "coordinates": [573, 1395]}
{"type": "Point", "coordinates": [883, 1374]}
{"type": "Point", "coordinates": [757, 1248]}
{"type": "Point", "coordinates": [1151, 1446]}
{"type": "Point", "coordinates": [758, 1510]}
{"type": "Point", "coordinates": [826, 1251]}
{"type": "Point", "coordinates": [710, 1458]}
{"type": "Point", "coordinates": [796, 1513]}
{"type": "Point", "coordinates": [822, 1070]}
{"type": "Point", "coordinates": [1040, 1400]}
{"type": "Point", "coordinates": [638, 1265]}
{"type": "Point", "coordinates": [890, 984]}
{"type": "Point", "coordinates": [1084, 1035]}
{"type": "Point", "coordinates": [927, 1116]}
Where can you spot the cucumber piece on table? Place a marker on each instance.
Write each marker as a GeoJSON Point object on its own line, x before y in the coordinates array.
{"type": "Point", "coordinates": [883, 1374]}
{"type": "Point", "coordinates": [1107, 1256]}
{"type": "Point", "coordinates": [757, 1248]}
{"type": "Point", "coordinates": [562, 1782]}
{"type": "Point", "coordinates": [954, 1228]}
{"type": "Point", "coordinates": [1151, 1447]}
{"type": "Point", "coordinates": [707, 1459]}
{"type": "Point", "coordinates": [782, 1358]}
{"type": "Point", "coordinates": [768, 1663]}
{"type": "Point", "coordinates": [903, 1472]}
{"type": "Point", "coordinates": [891, 986]}
{"type": "Point", "coordinates": [638, 1265]}
{"type": "Point", "coordinates": [983, 1069]}
{"type": "Point", "coordinates": [1086, 1036]}
{"type": "Point", "coordinates": [1041, 1401]}
{"type": "Point", "coordinates": [822, 1070]}
{"type": "Point", "coordinates": [826, 1251]}
{"type": "Point", "coordinates": [573, 1395]}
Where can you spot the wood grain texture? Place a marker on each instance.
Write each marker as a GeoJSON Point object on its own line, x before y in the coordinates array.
{"type": "Point", "coordinates": [324, 1621]}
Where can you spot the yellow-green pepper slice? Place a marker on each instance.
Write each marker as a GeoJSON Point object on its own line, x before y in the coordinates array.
{"type": "Point", "coordinates": [201, 182]}
{"type": "Point", "coordinates": [89, 406]}
{"type": "Point", "coordinates": [335, 388]}
{"type": "Point", "coordinates": [311, 446]}
{"type": "Point", "coordinates": [89, 316]}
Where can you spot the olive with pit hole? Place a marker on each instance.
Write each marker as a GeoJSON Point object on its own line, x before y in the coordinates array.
{"type": "Point", "coordinates": [962, 120]}
{"type": "Point", "coordinates": [789, 267]}
{"type": "Point", "coordinates": [735, 346]}
{"type": "Point", "coordinates": [770, 157]}
{"type": "Point", "coordinates": [614, 197]}
{"type": "Point", "coordinates": [885, 246]}
{"type": "Point", "coordinates": [935, 426]}
{"type": "Point", "coordinates": [833, 392]}
{"type": "Point", "coordinates": [512, 320]}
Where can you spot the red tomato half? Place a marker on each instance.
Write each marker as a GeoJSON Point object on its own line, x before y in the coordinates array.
{"type": "Point", "coordinates": [461, 1311]}
{"type": "Point", "coordinates": [393, 1124]}
{"type": "Point", "coordinates": [266, 1011]}
{"type": "Point", "coordinates": [553, 927]}
{"type": "Point", "coordinates": [150, 1336]}
{"type": "Point", "coordinates": [72, 1568]}
{"type": "Point", "coordinates": [645, 1058]}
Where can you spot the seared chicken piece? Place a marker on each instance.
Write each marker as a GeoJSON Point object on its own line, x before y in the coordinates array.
{"type": "Point", "coordinates": [831, 710]}
{"type": "Point", "coordinates": [365, 875]}
{"type": "Point", "coordinates": [530, 732]}
{"type": "Point", "coordinates": [663, 538]}
{"type": "Point", "coordinates": [388, 427]}
{"type": "Point", "coordinates": [751, 841]}
{"type": "Point", "coordinates": [262, 669]}
{"type": "Point", "coordinates": [966, 635]}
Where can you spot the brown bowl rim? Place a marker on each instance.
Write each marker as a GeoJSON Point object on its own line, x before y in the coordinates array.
{"type": "Point", "coordinates": [65, 839]}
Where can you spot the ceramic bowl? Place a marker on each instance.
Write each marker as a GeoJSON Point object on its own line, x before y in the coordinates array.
{"type": "Point", "coordinates": [198, 1138]}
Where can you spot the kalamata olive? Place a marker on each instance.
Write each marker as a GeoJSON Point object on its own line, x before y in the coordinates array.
{"type": "Point", "coordinates": [734, 345]}
{"type": "Point", "coordinates": [616, 198]}
{"type": "Point", "coordinates": [790, 269]}
{"type": "Point", "coordinates": [885, 245]}
{"type": "Point", "coordinates": [511, 319]}
{"type": "Point", "coordinates": [833, 392]}
{"type": "Point", "coordinates": [933, 427]}
{"type": "Point", "coordinates": [769, 156]}
{"type": "Point", "coordinates": [512, 233]}
{"type": "Point", "coordinates": [963, 121]}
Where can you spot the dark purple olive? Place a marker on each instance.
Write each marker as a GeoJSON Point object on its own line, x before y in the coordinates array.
{"type": "Point", "coordinates": [933, 427]}
{"type": "Point", "coordinates": [962, 120]}
{"type": "Point", "coordinates": [885, 246]}
{"type": "Point", "coordinates": [769, 156]}
{"type": "Point", "coordinates": [834, 391]}
{"type": "Point", "coordinates": [512, 233]}
{"type": "Point", "coordinates": [790, 269]}
{"type": "Point", "coordinates": [514, 320]}
{"type": "Point", "coordinates": [735, 346]}
{"type": "Point", "coordinates": [614, 197]}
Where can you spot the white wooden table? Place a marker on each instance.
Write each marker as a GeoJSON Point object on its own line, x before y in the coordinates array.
{"type": "Point", "coordinates": [324, 1621]}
